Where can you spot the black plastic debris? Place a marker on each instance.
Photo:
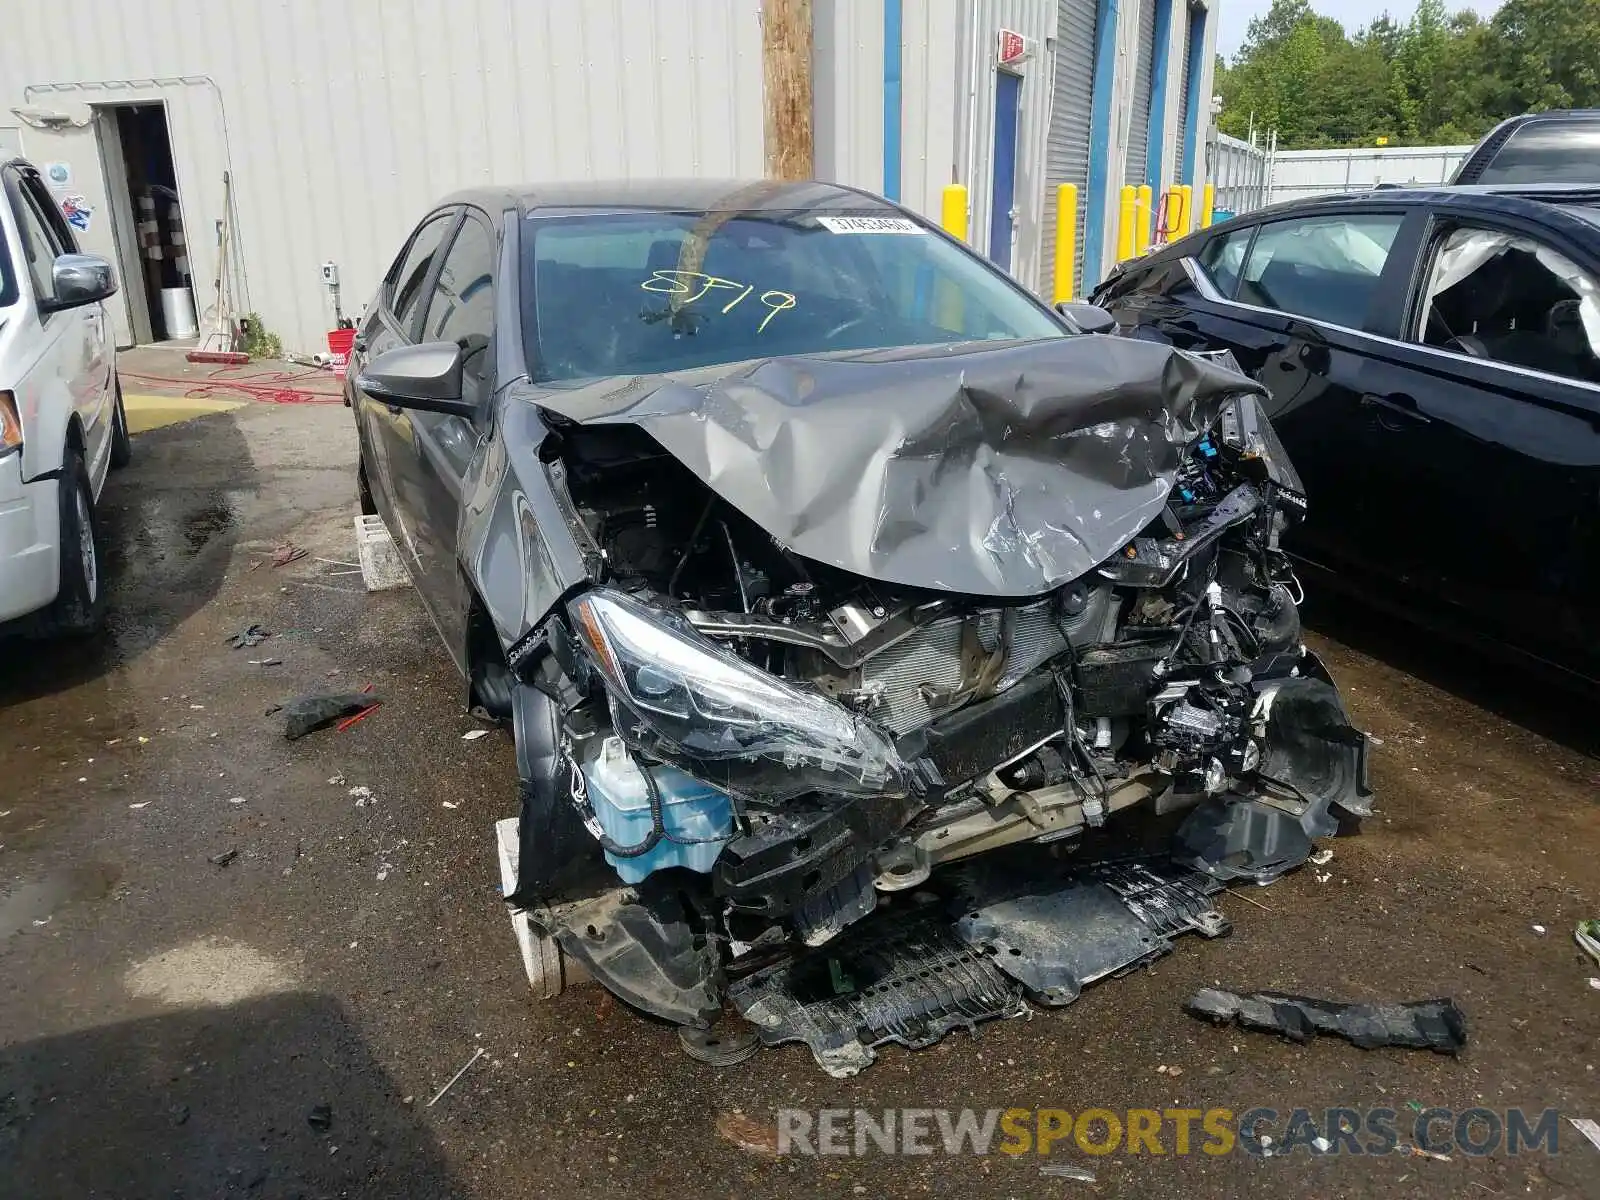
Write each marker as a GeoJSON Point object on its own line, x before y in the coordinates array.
{"type": "Point", "coordinates": [1004, 934]}
{"type": "Point", "coordinates": [249, 637]}
{"type": "Point", "coordinates": [304, 714]}
{"type": "Point", "coordinates": [223, 859]}
{"type": "Point", "coordinates": [320, 1117]}
{"type": "Point", "coordinates": [1436, 1025]}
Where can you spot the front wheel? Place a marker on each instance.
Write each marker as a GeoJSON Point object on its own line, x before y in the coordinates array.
{"type": "Point", "coordinates": [79, 605]}
{"type": "Point", "coordinates": [121, 442]}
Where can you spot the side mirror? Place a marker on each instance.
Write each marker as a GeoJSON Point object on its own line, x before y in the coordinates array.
{"type": "Point", "coordinates": [1086, 318]}
{"type": "Point", "coordinates": [78, 279]}
{"type": "Point", "coordinates": [425, 377]}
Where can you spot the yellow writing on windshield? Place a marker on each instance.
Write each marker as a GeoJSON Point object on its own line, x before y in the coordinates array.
{"type": "Point", "coordinates": [685, 287]}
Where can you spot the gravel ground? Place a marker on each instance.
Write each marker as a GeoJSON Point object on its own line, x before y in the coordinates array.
{"type": "Point", "coordinates": [222, 972]}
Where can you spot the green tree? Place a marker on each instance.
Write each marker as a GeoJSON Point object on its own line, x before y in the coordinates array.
{"type": "Point", "coordinates": [1436, 78]}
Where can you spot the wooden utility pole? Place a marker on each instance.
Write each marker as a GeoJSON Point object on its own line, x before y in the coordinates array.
{"type": "Point", "coordinates": [786, 69]}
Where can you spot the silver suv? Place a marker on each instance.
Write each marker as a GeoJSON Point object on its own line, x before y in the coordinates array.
{"type": "Point", "coordinates": [62, 426]}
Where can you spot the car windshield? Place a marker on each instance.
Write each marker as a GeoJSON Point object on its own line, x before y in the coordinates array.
{"type": "Point", "coordinates": [640, 293]}
{"type": "Point", "coordinates": [1548, 152]}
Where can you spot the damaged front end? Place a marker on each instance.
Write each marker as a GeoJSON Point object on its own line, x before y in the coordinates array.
{"type": "Point", "coordinates": [775, 716]}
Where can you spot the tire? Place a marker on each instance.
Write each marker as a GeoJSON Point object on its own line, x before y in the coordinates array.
{"type": "Point", "coordinates": [364, 489]}
{"type": "Point", "coordinates": [121, 441]}
{"type": "Point", "coordinates": [80, 605]}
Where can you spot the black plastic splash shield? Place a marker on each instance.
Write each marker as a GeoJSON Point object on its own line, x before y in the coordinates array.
{"type": "Point", "coordinates": [1436, 1025]}
{"type": "Point", "coordinates": [997, 941]}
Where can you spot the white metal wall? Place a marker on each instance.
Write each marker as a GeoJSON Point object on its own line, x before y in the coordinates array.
{"type": "Point", "coordinates": [1035, 20]}
{"type": "Point", "coordinates": [1298, 173]}
{"type": "Point", "coordinates": [1067, 154]}
{"type": "Point", "coordinates": [342, 122]}
{"type": "Point", "coordinates": [847, 96]}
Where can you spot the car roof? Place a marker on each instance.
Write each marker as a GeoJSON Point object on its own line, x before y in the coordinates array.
{"type": "Point", "coordinates": [675, 195]}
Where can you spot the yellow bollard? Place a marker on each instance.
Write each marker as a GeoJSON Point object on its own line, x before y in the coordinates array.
{"type": "Point", "coordinates": [953, 211]}
{"type": "Point", "coordinates": [1141, 237]}
{"type": "Point", "coordinates": [1208, 205]}
{"type": "Point", "coordinates": [1125, 220]}
{"type": "Point", "coordinates": [1185, 201]}
{"type": "Point", "coordinates": [1066, 241]}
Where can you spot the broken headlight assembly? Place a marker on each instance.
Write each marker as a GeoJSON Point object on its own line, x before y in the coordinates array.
{"type": "Point", "coordinates": [683, 698]}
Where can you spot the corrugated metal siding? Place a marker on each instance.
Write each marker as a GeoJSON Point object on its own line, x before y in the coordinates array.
{"type": "Point", "coordinates": [341, 123]}
{"type": "Point", "coordinates": [1138, 141]}
{"type": "Point", "coordinates": [847, 96]}
{"type": "Point", "coordinates": [847, 91]}
{"type": "Point", "coordinates": [1067, 149]}
{"type": "Point", "coordinates": [1034, 19]}
{"type": "Point", "coordinates": [1181, 140]}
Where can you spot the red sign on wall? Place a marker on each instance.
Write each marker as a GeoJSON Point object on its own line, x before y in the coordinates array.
{"type": "Point", "coordinates": [1013, 46]}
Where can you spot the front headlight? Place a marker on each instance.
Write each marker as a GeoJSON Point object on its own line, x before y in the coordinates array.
{"type": "Point", "coordinates": [10, 425]}
{"type": "Point", "coordinates": [688, 699]}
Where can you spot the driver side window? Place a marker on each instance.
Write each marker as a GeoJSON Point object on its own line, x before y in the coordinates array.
{"type": "Point", "coordinates": [39, 243]}
{"type": "Point", "coordinates": [1510, 299]}
{"type": "Point", "coordinates": [405, 286]}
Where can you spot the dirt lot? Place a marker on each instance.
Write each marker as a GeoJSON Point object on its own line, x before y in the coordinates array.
{"type": "Point", "coordinates": [169, 1026]}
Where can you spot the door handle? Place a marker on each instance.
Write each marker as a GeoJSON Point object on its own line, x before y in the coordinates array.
{"type": "Point", "coordinates": [1398, 403]}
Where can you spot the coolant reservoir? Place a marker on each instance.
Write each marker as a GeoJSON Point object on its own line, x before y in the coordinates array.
{"type": "Point", "coordinates": [697, 815]}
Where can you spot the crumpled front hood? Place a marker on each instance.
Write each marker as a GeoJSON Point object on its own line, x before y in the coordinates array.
{"type": "Point", "coordinates": [993, 470]}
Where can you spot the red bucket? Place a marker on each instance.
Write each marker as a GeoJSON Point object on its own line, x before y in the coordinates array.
{"type": "Point", "coordinates": [339, 343]}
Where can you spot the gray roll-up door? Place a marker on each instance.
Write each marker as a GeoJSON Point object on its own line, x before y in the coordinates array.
{"type": "Point", "coordinates": [1182, 139]}
{"type": "Point", "coordinates": [1139, 125]}
{"type": "Point", "coordinates": [1067, 145]}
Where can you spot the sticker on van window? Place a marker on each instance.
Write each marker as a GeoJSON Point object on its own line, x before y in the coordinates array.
{"type": "Point", "coordinates": [869, 225]}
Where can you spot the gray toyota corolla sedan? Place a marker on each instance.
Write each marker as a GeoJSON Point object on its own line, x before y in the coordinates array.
{"type": "Point", "coordinates": [831, 586]}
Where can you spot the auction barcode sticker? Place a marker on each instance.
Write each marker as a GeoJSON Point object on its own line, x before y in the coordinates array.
{"type": "Point", "coordinates": [869, 224]}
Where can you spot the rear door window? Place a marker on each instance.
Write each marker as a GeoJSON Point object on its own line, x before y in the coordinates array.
{"type": "Point", "coordinates": [1323, 268]}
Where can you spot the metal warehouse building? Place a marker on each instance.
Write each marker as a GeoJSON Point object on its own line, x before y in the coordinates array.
{"type": "Point", "coordinates": [275, 137]}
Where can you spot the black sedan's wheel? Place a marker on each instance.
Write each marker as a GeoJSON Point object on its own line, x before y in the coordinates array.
{"type": "Point", "coordinates": [121, 442]}
{"type": "Point", "coordinates": [79, 605]}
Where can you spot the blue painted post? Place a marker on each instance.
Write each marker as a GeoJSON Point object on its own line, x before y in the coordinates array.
{"type": "Point", "coordinates": [1105, 70]}
{"type": "Point", "coordinates": [1158, 95]}
{"type": "Point", "coordinates": [1197, 62]}
{"type": "Point", "coordinates": [891, 98]}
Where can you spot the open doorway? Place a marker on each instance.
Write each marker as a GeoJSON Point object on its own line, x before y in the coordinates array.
{"type": "Point", "coordinates": [147, 221]}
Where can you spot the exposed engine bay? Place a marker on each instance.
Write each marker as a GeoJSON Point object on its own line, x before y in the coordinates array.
{"type": "Point", "coordinates": [767, 748]}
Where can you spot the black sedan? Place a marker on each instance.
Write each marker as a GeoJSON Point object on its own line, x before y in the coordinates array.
{"type": "Point", "coordinates": [804, 553]}
{"type": "Point", "coordinates": [1432, 362]}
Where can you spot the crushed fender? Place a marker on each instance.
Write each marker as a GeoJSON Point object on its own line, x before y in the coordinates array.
{"type": "Point", "coordinates": [1437, 1025]}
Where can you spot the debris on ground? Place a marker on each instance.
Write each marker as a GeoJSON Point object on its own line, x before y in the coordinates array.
{"type": "Point", "coordinates": [1066, 1171]}
{"type": "Point", "coordinates": [473, 735]}
{"type": "Point", "coordinates": [747, 1133]}
{"type": "Point", "coordinates": [1587, 935]}
{"type": "Point", "coordinates": [306, 714]}
{"type": "Point", "coordinates": [363, 796]}
{"type": "Point", "coordinates": [249, 637]}
{"type": "Point", "coordinates": [266, 662]}
{"type": "Point", "coordinates": [1588, 1127]}
{"type": "Point", "coordinates": [1419, 1152]}
{"type": "Point", "coordinates": [1321, 857]}
{"type": "Point", "coordinates": [320, 1117]}
{"type": "Point", "coordinates": [223, 859]}
{"type": "Point", "coordinates": [477, 1054]}
{"type": "Point", "coordinates": [1539, 929]}
{"type": "Point", "coordinates": [1436, 1025]}
{"type": "Point", "coordinates": [286, 554]}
